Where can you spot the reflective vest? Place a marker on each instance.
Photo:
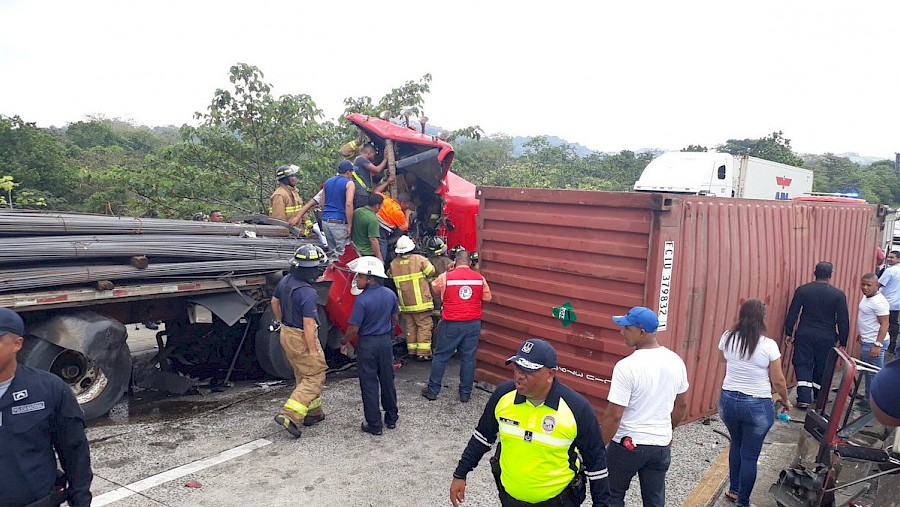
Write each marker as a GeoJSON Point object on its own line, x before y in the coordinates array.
{"type": "Point", "coordinates": [290, 198]}
{"type": "Point", "coordinates": [535, 447]}
{"type": "Point", "coordinates": [462, 296]}
{"type": "Point", "coordinates": [409, 272]}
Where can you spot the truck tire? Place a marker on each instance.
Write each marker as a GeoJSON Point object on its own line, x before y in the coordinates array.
{"type": "Point", "coordinates": [269, 353]}
{"type": "Point", "coordinates": [98, 373]}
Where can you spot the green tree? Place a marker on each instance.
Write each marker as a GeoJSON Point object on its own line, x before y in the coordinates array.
{"type": "Point", "coordinates": [695, 148]}
{"type": "Point", "coordinates": [229, 159]}
{"type": "Point", "coordinates": [36, 159]}
{"type": "Point", "coordinates": [774, 147]}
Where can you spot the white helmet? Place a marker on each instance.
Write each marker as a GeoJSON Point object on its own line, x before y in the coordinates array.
{"type": "Point", "coordinates": [404, 245]}
{"type": "Point", "coordinates": [367, 265]}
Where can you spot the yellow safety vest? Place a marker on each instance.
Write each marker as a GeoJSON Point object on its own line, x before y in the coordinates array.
{"type": "Point", "coordinates": [534, 443]}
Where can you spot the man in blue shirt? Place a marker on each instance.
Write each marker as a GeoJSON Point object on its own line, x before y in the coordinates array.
{"type": "Point", "coordinates": [890, 288]}
{"type": "Point", "coordinates": [337, 207]}
{"type": "Point", "coordinates": [376, 312]}
{"type": "Point", "coordinates": [40, 421]}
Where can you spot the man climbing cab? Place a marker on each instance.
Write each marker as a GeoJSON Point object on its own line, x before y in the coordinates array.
{"type": "Point", "coordinates": [295, 309]}
{"type": "Point", "coordinates": [285, 202]}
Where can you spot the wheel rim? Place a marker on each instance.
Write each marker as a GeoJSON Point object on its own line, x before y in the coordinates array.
{"type": "Point", "coordinates": [83, 375]}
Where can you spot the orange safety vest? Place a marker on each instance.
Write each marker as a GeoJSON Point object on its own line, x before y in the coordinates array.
{"type": "Point", "coordinates": [409, 272]}
{"type": "Point", "coordinates": [462, 296]}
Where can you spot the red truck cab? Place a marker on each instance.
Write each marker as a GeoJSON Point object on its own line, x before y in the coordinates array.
{"type": "Point", "coordinates": [428, 158]}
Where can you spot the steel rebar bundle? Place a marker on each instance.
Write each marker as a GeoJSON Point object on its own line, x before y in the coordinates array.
{"type": "Point", "coordinates": [43, 224]}
{"type": "Point", "coordinates": [12, 280]}
{"type": "Point", "coordinates": [56, 248]}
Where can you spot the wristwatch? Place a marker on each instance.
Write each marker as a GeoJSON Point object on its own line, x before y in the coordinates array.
{"type": "Point", "coordinates": [877, 344]}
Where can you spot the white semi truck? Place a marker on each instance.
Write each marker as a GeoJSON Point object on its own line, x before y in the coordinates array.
{"type": "Point", "coordinates": [724, 175]}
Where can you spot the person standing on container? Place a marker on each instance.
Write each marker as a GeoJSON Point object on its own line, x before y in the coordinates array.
{"type": "Point", "coordinates": [375, 314]}
{"type": "Point", "coordinates": [890, 287]}
{"type": "Point", "coordinates": [539, 422]}
{"type": "Point", "coordinates": [752, 373]}
{"type": "Point", "coordinates": [647, 400]}
{"type": "Point", "coordinates": [462, 290]}
{"type": "Point", "coordinates": [40, 424]}
{"type": "Point", "coordinates": [824, 322]}
{"type": "Point", "coordinates": [872, 326]}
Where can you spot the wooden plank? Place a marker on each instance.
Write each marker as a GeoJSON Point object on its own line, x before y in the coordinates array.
{"type": "Point", "coordinates": [707, 490]}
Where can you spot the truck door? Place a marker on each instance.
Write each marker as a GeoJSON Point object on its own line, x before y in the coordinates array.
{"type": "Point", "coordinates": [721, 182]}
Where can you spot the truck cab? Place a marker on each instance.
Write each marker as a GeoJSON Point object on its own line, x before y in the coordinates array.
{"type": "Point", "coordinates": [693, 173]}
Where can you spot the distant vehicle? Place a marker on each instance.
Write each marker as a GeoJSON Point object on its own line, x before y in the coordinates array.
{"type": "Point", "coordinates": [724, 175]}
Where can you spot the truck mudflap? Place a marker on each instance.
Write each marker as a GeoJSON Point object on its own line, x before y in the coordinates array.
{"type": "Point", "coordinates": [88, 351]}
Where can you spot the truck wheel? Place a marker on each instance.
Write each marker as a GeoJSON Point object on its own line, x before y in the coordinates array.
{"type": "Point", "coordinates": [269, 353]}
{"type": "Point", "coordinates": [97, 382]}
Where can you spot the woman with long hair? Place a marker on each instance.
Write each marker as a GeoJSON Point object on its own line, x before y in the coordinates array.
{"type": "Point", "coordinates": [753, 373]}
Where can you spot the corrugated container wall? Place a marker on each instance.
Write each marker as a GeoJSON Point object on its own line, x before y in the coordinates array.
{"type": "Point", "coordinates": [697, 258]}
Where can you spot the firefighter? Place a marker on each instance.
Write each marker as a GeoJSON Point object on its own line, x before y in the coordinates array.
{"type": "Point", "coordinates": [409, 272]}
{"type": "Point", "coordinates": [374, 316]}
{"type": "Point", "coordinates": [437, 256]}
{"type": "Point", "coordinates": [285, 202]}
{"type": "Point", "coordinates": [296, 312]}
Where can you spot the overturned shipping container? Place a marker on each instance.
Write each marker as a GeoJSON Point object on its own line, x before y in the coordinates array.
{"type": "Point", "coordinates": [693, 259]}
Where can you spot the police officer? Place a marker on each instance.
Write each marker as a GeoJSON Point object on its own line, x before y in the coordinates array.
{"type": "Point", "coordinates": [285, 203]}
{"type": "Point", "coordinates": [39, 420]}
{"type": "Point", "coordinates": [375, 314]}
{"type": "Point", "coordinates": [540, 423]}
{"type": "Point", "coordinates": [295, 307]}
{"type": "Point", "coordinates": [824, 322]}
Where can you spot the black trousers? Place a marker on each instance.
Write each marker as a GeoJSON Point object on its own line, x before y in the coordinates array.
{"type": "Point", "coordinates": [810, 355]}
{"type": "Point", "coordinates": [375, 363]}
{"type": "Point", "coordinates": [893, 329]}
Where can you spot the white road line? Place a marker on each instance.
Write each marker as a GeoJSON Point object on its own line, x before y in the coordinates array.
{"type": "Point", "coordinates": [175, 473]}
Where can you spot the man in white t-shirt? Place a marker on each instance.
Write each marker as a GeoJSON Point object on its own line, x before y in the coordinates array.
{"type": "Point", "coordinates": [890, 283]}
{"type": "Point", "coordinates": [646, 401]}
{"type": "Point", "coordinates": [872, 324]}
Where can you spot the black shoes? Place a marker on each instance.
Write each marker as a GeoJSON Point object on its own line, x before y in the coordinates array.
{"type": "Point", "coordinates": [289, 425]}
{"type": "Point", "coordinates": [465, 398]}
{"type": "Point", "coordinates": [368, 429]}
{"type": "Point", "coordinates": [391, 426]}
{"type": "Point", "coordinates": [428, 394]}
{"type": "Point", "coordinates": [313, 419]}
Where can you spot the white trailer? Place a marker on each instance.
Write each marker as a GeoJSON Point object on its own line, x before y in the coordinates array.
{"type": "Point", "coordinates": [724, 175]}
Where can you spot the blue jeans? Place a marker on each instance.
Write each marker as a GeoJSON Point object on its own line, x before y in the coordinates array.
{"type": "Point", "coordinates": [748, 420]}
{"type": "Point", "coordinates": [452, 336]}
{"type": "Point", "coordinates": [878, 361]}
{"type": "Point", "coordinates": [649, 462]}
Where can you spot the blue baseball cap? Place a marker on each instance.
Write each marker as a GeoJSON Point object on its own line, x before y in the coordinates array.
{"type": "Point", "coordinates": [639, 317]}
{"type": "Point", "coordinates": [345, 166]}
{"type": "Point", "coordinates": [534, 354]}
{"type": "Point", "coordinates": [10, 322]}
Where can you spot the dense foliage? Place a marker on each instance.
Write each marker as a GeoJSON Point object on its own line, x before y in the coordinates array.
{"type": "Point", "coordinates": [226, 159]}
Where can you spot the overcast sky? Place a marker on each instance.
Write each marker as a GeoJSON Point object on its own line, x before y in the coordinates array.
{"type": "Point", "coordinates": [609, 75]}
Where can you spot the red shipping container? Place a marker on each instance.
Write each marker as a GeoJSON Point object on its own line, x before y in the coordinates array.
{"type": "Point", "coordinates": [694, 258]}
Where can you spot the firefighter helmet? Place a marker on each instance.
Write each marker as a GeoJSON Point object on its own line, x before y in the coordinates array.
{"type": "Point", "coordinates": [367, 265]}
{"type": "Point", "coordinates": [309, 256]}
{"type": "Point", "coordinates": [286, 170]}
{"type": "Point", "coordinates": [404, 245]}
{"type": "Point", "coordinates": [437, 246]}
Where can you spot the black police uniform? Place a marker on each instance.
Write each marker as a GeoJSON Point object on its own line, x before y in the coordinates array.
{"type": "Point", "coordinates": [40, 419]}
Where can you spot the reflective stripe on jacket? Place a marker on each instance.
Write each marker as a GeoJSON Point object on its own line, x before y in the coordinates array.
{"type": "Point", "coordinates": [409, 272]}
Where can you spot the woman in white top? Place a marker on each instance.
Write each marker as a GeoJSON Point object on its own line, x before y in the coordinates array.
{"type": "Point", "coordinates": [746, 406]}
